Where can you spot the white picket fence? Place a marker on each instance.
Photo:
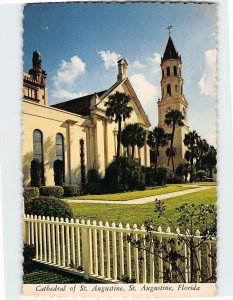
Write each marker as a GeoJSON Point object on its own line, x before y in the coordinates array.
{"type": "Point", "coordinates": [102, 251]}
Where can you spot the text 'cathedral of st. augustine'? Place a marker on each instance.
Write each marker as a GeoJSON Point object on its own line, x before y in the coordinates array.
{"type": "Point", "coordinates": [78, 132]}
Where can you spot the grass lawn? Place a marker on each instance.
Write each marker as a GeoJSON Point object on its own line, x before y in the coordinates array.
{"type": "Point", "coordinates": [46, 275]}
{"type": "Point", "coordinates": [136, 194]}
{"type": "Point", "coordinates": [138, 213]}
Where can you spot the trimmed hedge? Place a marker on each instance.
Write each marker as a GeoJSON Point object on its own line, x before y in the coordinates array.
{"type": "Point", "coordinates": [49, 207]}
{"type": "Point", "coordinates": [52, 191]}
{"type": "Point", "coordinates": [31, 192]}
{"type": "Point", "coordinates": [72, 190]}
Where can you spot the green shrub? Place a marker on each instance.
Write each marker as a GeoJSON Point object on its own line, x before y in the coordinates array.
{"type": "Point", "coordinates": [52, 191]}
{"type": "Point", "coordinates": [71, 190]}
{"type": "Point", "coordinates": [96, 188]}
{"type": "Point", "coordinates": [48, 206]}
{"type": "Point", "coordinates": [150, 176]}
{"type": "Point", "coordinates": [36, 173]}
{"type": "Point", "coordinates": [162, 175]}
{"type": "Point", "coordinates": [124, 174]}
{"type": "Point", "coordinates": [94, 176]}
{"type": "Point", "coordinates": [31, 192]}
{"type": "Point", "coordinates": [29, 253]}
{"type": "Point", "coordinates": [84, 189]}
{"type": "Point", "coordinates": [58, 167]}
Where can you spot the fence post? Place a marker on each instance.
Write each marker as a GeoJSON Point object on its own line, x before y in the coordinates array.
{"type": "Point", "coordinates": [128, 249]}
{"type": "Point", "coordinates": [144, 256]}
{"type": "Point", "coordinates": [86, 250]}
{"type": "Point", "coordinates": [160, 258]}
{"type": "Point", "coordinates": [136, 255]}
{"type": "Point", "coordinates": [121, 249]}
{"type": "Point", "coordinates": [101, 249]}
{"type": "Point", "coordinates": [198, 251]}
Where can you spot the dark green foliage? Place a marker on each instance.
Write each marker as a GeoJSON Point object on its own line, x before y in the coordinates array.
{"type": "Point", "coordinates": [150, 176]}
{"type": "Point", "coordinates": [96, 188]}
{"type": "Point", "coordinates": [84, 189]}
{"type": "Point", "coordinates": [71, 190]}
{"type": "Point", "coordinates": [94, 176]}
{"type": "Point", "coordinates": [162, 175]}
{"type": "Point", "coordinates": [48, 206]}
{"type": "Point", "coordinates": [124, 174]}
{"type": "Point", "coordinates": [28, 255]}
{"type": "Point", "coordinates": [36, 173]}
{"type": "Point", "coordinates": [30, 192]}
{"type": "Point", "coordinates": [118, 108]}
{"type": "Point", "coordinates": [200, 174]}
{"type": "Point", "coordinates": [58, 168]}
{"type": "Point", "coordinates": [133, 135]}
{"type": "Point", "coordinates": [52, 191]}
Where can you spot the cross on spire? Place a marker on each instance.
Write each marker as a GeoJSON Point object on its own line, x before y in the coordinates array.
{"type": "Point", "coordinates": [169, 29]}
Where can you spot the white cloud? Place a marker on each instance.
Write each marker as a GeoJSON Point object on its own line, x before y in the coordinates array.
{"type": "Point", "coordinates": [145, 90]}
{"type": "Point", "coordinates": [110, 59]}
{"type": "Point", "coordinates": [207, 83]}
{"type": "Point", "coordinates": [65, 95]}
{"type": "Point", "coordinates": [154, 61]}
{"type": "Point", "coordinates": [65, 77]}
{"type": "Point", "coordinates": [69, 70]}
{"type": "Point", "coordinates": [136, 64]}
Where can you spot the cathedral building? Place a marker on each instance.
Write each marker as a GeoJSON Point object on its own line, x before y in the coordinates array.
{"type": "Point", "coordinates": [78, 132]}
{"type": "Point", "coordinates": [172, 98]}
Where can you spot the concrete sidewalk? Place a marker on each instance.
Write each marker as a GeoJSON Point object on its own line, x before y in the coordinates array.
{"type": "Point", "coordinates": [145, 199]}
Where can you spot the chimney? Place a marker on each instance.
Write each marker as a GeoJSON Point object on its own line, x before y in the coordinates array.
{"type": "Point", "coordinates": [122, 69]}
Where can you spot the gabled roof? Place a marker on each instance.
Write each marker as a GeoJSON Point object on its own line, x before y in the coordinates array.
{"type": "Point", "coordinates": [80, 106]}
{"type": "Point", "coordinates": [170, 51]}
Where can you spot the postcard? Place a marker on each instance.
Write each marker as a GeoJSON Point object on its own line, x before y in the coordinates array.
{"type": "Point", "coordinates": [119, 151]}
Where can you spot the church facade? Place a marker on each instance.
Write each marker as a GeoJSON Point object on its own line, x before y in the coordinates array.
{"type": "Point", "coordinates": [78, 131]}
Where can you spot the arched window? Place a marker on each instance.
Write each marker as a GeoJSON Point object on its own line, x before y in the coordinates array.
{"type": "Point", "coordinates": [181, 89]}
{"type": "Point", "coordinates": [60, 151]}
{"type": "Point", "coordinates": [169, 89]}
{"type": "Point", "coordinates": [38, 151]}
{"type": "Point", "coordinates": [163, 72]}
{"type": "Point", "coordinates": [38, 145]}
{"type": "Point", "coordinates": [175, 70]}
{"type": "Point", "coordinates": [82, 161]}
{"type": "Point", "coordinates": [168, 71]}
{"type": "Point", "coordinates": [59, 146]}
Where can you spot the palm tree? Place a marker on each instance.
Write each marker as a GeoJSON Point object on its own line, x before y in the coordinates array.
{"type": "Point", "coordinates": [191, 141]}
{"type": "Point", "coordinates": [171, 152]}
{"type": "Point", "coordinates": [133, 135]}
{"type": "Point", "coordinates": [157, 138]}
{"type": "Point", "coordinates": [173, 118]}
{"type": "Point", "coordinates": [118, 109]}
{"type": "Point", "coordinates": [203, 147]}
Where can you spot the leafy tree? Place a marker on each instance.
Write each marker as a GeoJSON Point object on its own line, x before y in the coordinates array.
{"type": "Point", "coordinates": [191, 142]}
{"type": "Point", "coordinates": [171, 153]}
{"type": "Point", "coordinates": [203, 148]}
{"type": "Point", "coordinates": [133, 135]}
{"type": "Point", "coordinates": [173, 118]}
{"type": "Point", "coordinates": [210, 160]}
{"type": "Point", "coordinates": [193, 220]}
{"type": "Point", "coordinates": [157, 138]}
{"type": "Point", "coordinates": [118, 109]}
{"type": "Point", "coordinates": [183, 170]}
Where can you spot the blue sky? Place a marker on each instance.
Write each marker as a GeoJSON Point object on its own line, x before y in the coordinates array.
{"type": "Point", "coordinates": [80, 44]}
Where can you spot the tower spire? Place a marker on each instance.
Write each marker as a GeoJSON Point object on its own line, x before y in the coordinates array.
{"type": "Point", "coordinates": [169, 29]}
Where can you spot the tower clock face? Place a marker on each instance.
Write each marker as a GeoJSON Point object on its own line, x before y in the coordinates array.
{"type": "Point", "coordinates": [168, 109]}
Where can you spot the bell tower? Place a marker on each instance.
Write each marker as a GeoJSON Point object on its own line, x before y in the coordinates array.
{"type": "Point", "coordinates": [172, 98]}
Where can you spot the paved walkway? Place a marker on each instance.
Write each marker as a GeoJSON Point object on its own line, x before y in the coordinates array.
{"type": "Point", "coordinates": [146, 199]}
